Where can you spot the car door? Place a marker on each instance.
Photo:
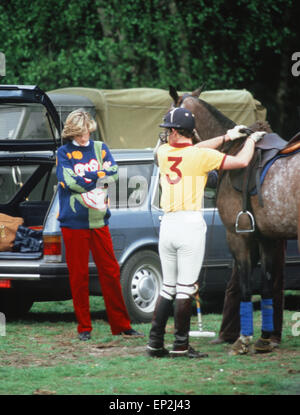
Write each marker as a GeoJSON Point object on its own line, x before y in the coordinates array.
{"type": "Point", "coordinates": [131, 223]}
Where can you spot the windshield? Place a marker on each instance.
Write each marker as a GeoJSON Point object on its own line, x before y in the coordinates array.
{"type": "Point", "coordinates": [25, 122]}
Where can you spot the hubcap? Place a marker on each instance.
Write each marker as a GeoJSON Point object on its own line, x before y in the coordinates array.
{"type": "Point", "coordinates": [145, 287]}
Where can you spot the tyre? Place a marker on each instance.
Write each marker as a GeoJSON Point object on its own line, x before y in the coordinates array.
{"type": "Point", "coordinates": [13, 303]}
{"type": "Point", "coordinates": [141, 280]}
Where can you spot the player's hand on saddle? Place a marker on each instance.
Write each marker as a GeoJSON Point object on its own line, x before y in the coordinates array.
{"type": "Point", "coordinates": [237, 132]}
{"type": "Point", "coordinates": [258, 135]}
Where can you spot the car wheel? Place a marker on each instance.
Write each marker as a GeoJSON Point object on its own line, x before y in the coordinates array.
{"type": "Point", "coordinates": [141, 280]}
{"type": "Point", "coordinates": [13, 303]}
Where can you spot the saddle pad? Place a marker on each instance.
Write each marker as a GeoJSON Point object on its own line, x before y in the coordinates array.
{"type": "Point", "coordinates": [268, 165]}
{"type": "Point", "coordinates": [269, 149]}
{"type": "Point", "coordinates": [270, 145]}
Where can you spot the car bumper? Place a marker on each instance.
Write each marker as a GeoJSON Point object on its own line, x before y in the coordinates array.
{"type": "Point", "coordinates": [32, 270]}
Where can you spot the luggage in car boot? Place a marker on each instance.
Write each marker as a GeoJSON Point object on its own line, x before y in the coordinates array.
{"type": "Point", "coordinates": [8, 229]}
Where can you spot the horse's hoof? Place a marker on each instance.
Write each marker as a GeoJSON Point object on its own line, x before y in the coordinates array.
{"type": "Point", "coordinates": [241, 346]}
{"type": "Point", "coordinates": [275, 342]}
{"type": "Point", "coordinates": [263, 346]}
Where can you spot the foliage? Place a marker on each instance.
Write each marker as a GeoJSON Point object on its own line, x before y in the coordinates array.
{"type": "Point", "coordinates": [137, 43]}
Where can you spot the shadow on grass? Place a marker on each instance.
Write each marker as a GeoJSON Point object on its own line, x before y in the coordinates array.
{"type": "Point", "coordinates": [291, 303]}
{"type": "Point", "coordinates": [54, 317]}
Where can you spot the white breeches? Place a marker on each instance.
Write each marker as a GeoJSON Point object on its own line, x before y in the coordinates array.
{"type": "Point", "coordinates": [181, 250]}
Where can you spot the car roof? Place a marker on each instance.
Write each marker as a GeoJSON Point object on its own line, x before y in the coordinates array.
{"type": "Point", "coordinates": [70, 100]}
{"type": "Point", "coordinates": [140, 155]}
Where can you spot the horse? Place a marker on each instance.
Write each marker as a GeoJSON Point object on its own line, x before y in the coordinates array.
{"type": "Point", "coordinates": [274, 221]}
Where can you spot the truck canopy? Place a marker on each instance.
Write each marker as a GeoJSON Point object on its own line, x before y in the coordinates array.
{"type": "Point", "coordinates": [130, 118]}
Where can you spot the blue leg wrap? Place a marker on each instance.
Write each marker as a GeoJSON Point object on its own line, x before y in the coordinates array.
{"type": "Point", "coordinates": [246, 314]}
{"type": "Point", "coordinates": [267, 314]}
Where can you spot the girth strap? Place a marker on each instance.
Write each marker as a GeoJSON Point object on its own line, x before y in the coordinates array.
{"type": "Point", "coordinates": [245, 197]}
{"type": "Point", "coordinates": [257, 177]}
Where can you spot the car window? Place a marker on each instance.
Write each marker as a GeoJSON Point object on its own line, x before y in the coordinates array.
{"type": "Point", "coordinates": [30, 122]}
{"type": "Point", "coordinates": [25, 122]}
{"type": "Point", "coordinates": [15, 178]}
{"type": "Point", "coordinates": [8, 120]}
{"type": "Point", "coordinates": [209, 197]}
{"type": "Point", "coordinates": [132, 188]}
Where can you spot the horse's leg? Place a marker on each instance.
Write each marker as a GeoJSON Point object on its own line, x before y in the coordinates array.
{"type": "Point", "coordinates": [230, 326]}
{"type": "Point", "coordinates": [245, 253]}
{"type": "Point", "coordinates": [268, 251]}
{"type": "Point", "coordinates": [278, 291]}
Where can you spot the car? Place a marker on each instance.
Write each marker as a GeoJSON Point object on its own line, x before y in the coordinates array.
{"type": "Point", "coordinates": [30, 125]}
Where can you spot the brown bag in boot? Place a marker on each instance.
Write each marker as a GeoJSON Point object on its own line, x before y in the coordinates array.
{"type": "Point", "coordinates": [8, 230]}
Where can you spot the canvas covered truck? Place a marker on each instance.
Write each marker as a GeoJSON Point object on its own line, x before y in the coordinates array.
{"type": "Point", "coordinates": [130, 118]}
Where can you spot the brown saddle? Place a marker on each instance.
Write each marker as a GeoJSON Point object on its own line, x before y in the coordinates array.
{"type": "Point", "coordinates": [293, 145]}
{"type": "Point", "coordinates": [248, 180]}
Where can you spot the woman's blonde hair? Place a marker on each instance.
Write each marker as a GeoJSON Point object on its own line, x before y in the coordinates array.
{"type": "Point", "coordinates": [78, 122]}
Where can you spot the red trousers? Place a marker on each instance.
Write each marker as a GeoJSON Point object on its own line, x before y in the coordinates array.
{"type": "Point", "coordinates": [78, 244]}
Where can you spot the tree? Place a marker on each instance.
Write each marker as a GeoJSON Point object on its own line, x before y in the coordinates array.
{"type": "Point", "coordinates": [154, 43]}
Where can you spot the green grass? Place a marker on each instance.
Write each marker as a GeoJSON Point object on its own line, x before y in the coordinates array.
{"type": "Point", "coordinates": [42, 355]}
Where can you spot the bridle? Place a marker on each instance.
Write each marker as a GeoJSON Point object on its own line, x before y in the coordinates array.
{"type": "Point", "coordinates": [182, 98]}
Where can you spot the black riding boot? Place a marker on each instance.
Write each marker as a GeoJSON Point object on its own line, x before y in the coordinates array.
{"type": "Point", "coordinates": [182, 317]}
{"type": "Point", "coordinates": [163, 309]}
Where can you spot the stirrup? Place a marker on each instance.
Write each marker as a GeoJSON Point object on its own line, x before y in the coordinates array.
{"type": "Point", "coordinates": [244, 212]}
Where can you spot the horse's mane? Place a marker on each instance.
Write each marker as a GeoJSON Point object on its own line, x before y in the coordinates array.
{"type": "Point", "coordinates": [233, 147]}
{"type": "Point", "coordinates": [228, 123]}
{"type": "Point", "coordinates": [221, 118]}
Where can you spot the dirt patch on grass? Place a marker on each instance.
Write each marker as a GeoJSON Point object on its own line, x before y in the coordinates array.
{"type": "Point", "coordinates": [70, 352]}
{"type": "Point", "coordinates": [117, 350]}
{"type": "Point", "coordinates": [63, 351]}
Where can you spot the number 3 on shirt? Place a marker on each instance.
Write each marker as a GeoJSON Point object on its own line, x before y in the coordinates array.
{"type": "Point", "coordinates": [176, 161]}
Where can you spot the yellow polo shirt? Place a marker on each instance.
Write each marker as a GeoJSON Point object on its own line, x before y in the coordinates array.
{"type": "Point", "coordinates": [184, 169]}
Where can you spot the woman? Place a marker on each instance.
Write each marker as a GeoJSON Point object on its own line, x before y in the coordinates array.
{"type": "Point", "coordinates": [84, 168]}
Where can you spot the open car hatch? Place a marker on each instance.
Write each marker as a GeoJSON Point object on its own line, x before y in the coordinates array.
{"type": "Point", "coordinates": [28, 120]}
